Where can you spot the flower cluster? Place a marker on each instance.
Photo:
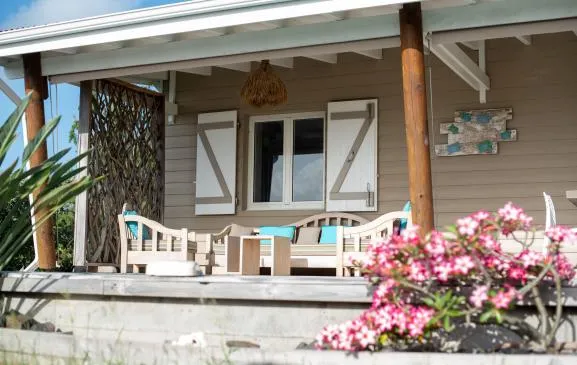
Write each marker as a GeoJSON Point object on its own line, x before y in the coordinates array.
{"type": "Point", "coordinates": [404, 267]}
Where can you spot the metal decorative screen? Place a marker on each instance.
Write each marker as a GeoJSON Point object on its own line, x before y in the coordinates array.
{"type": "Point", "coordinates": [127, 142]}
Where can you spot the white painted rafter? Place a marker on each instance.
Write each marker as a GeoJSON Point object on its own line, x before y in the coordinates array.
{"type": "Point", "coordinates": [287, 62]}
{"type": "Point", "coordinates": [201, 34]}
{"type": "Point", "coordinates": [203, 71]}
{"type": "Point", "coordinates": [102, 47]}
{"type": "Point", "coordinates": [525, 39]}
{"type": "Point", "coordinates": [458, 61]}
{"type": "Point", "coordinates": [328, 58]}
{"type": "Point", "coordinates": [376, 54]}
{"type": "Point", "coordinates": [242, 66]}
{"type": "Point", "coordinates": [258, 26]}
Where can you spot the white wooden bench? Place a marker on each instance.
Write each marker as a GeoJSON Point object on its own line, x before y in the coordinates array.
{"type": "Point", "coordinates": [313, 255]}
{"type": "Point", "coordinates": [163, 244]}
{"type": "Point", "coordinates": [352, 242]}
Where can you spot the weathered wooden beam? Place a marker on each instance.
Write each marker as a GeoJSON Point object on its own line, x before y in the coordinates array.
{"type": "Point", "coordinates": [35, 85]}
{"type": "Point", "coordinates": [415, 105]}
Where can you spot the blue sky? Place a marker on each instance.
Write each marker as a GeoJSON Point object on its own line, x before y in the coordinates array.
{"type": "Point", "coordinates": [20, 13]}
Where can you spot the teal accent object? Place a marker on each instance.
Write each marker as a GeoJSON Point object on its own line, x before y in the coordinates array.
{"type": "Point", "coordinates": [506, 135]}
{"type": "Point", "coordinates": [466, 116]}
{"type": "Point", "coordinates": [483, 118]}
{"type": "Point", "coordinates": [328, 235]}
{"type": "Point", "coordinates": [453, 129]}
{"type": "Point", "coordinates": [133, 226]}
{"type": "Point", "coordinates": [485, 146]}
{"type": "Point", "coordinates": [285, 231]}
{"type": "Point", "coordinates": [403, 221]}
{"type": "Point", "coordinates": [454, 148]}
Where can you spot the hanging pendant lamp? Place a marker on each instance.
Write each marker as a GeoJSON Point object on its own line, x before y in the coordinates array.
{"type": "Point", "coordinates": [264, 87]}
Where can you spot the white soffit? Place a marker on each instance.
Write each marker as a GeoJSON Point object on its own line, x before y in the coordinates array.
{"type": "Point", "coordinates": [466, 24]}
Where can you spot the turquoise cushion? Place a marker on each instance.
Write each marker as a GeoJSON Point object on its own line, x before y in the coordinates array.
{"type": "Point", "coordinates": [133, 226]}
{"type": "Point", "coordinates": [328, 234]}
{"type": "Point", "coordinates": [286, 231]}
{"type": "Point", "coordinates": [403, 221]}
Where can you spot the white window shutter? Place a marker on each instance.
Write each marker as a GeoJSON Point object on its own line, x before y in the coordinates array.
{"type": "Point", "coordinates": [216, 163]}
{"type": "Point", "coordinates": [352, 156]}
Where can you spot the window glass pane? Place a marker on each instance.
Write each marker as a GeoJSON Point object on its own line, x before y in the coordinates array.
{"type": "Point", "coordinates": [268, 162]}
{"type": "Point", "coordinates": [308, 161]}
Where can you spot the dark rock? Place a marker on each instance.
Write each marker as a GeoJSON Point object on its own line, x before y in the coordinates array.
{"type": "Point", "coordinates": [18, 321]}
{"type": "Point", "coordinates": [306, 346]}
{"type": "Point", "coordinates": [43, 327]}
{"type": "Point", "coordinates": [242, 344]}
{"type": "Point", "coordinates": [479, 338]}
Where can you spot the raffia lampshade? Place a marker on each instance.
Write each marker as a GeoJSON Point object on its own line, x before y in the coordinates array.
{"type": "Point", "coordinates": [264, 87]}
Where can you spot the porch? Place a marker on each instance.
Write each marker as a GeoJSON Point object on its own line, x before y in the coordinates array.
{"type": "Point", "coordinates": [478, 57]}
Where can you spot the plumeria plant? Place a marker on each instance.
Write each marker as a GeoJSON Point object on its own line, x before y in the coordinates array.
{"type": "Point", "coordinates": [426, 285]}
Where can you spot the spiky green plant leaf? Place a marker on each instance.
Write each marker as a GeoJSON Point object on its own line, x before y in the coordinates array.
{"type": "Point", "coordinates": [56, 179]}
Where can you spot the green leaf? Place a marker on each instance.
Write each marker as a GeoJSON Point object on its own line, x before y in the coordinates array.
{"type": "Point", "coordinates": [39, 139]}
{"type": "Point", "coordinates": [447, 324]}
{"type": "Point", "coordinates": [486, 316]}
{"type": "Point", "coordinates": [429, 301]}
{"type": "Point", "coordinates": [498, 316]}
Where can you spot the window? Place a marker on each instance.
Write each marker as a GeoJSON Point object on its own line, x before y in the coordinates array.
{"type": "Point", "coordinates": [287, 162]}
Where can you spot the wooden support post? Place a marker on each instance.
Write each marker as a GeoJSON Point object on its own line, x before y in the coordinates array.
{"type": "Point", "coordinates": [81, 206]}
{"type": "Point", "coordinates": [415, 100]}
{"type": "Point", "coordinates": [35, 84]}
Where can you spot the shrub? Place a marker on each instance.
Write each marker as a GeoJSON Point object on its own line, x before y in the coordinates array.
{"type": "Point", "coordinates": [426, 284]}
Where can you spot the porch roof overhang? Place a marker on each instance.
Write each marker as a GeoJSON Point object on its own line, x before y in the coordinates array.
{"type": "Point", "coordinates": [194, 36]}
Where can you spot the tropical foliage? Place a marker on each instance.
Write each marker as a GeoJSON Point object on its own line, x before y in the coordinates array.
{"type": "Point", "coordinates": [426, 285]}
{"type": "Point", "coordinates": [54, 180]}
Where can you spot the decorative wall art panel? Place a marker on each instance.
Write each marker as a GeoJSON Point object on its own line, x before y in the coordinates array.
{"type": "Point", "coordinates": [476, 132]}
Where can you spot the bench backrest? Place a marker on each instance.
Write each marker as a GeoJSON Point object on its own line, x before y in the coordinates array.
{"type": "Point", "coordinates": [330, 219]}
{"type": "Point", "coordinates": [379, 228]}
{"type": "Point", "coordinates": [156, 229]}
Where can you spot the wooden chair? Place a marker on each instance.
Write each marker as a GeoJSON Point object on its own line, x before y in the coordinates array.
{"type": "Point", "coordinates": [163, 244]}
{"type": "Point", "coordinates": [352, 242]}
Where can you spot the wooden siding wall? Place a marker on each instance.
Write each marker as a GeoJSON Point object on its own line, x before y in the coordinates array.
{"type": "Point", "coordinates": [539, 82]}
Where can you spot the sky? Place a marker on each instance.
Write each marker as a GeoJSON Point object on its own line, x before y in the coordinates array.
{"type": "Point", "coordinates": [21, 13]}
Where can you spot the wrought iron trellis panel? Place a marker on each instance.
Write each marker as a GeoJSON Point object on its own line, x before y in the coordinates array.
{"type": "Point", "coordinates": [127, 148]}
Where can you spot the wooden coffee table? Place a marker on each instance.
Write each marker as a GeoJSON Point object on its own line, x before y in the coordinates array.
{"type": "Point", "coordinates": [250, 255]}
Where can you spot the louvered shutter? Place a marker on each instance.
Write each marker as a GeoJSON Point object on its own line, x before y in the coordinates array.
{"type": "Point", "coordinates": [352, 156]}
{"type": "Point", "coordinates": [216, 163]}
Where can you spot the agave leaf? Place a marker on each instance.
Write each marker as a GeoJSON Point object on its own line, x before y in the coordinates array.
{"type": "Point", "coordinates": [39, 139]}
{"type": "Point", "coordinates": [8, 129]}
{"type": "Point", "coordinates": [54, 176]}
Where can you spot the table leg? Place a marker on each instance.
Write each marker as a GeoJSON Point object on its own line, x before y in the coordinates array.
{"type": "Point", "coordinates": [281, 257]}
{"type": "Point", "coordinates": [232, 254]}
{"type": "Point", "coordinates": [249, 256]}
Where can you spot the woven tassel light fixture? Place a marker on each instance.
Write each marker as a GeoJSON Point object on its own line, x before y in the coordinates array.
{"type": "Point", "coordinates": [264, 87]}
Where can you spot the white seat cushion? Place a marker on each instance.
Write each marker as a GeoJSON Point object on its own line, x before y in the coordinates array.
{"type": "Point", "coordinates": [173, 268]}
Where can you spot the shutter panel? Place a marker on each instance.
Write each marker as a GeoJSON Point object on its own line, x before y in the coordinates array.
{"type": "Point", "coordinates": [352, 156]}
{"type": "Point", "coordinates": [216, 163]}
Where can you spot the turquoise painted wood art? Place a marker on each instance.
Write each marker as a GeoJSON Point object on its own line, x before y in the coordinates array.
{"type": "Point", "coordinates": [476, 132]}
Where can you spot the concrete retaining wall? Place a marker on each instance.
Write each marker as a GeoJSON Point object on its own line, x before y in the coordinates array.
{"type": "Point", "coordinates": [275, 313]}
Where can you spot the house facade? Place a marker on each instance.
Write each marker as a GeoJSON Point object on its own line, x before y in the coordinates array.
{"type": "Point", "coordinates": [535, 80]}
{"type": "Point", "coordinates": [505, 67]}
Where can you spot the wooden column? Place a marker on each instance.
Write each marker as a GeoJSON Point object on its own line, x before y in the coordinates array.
{"type": "Point", "coordinates": [415, 101]}
{"type": "Point", "coordinates": [36, 85]}
{"type": "Point", "coordinates": [81, 205]}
